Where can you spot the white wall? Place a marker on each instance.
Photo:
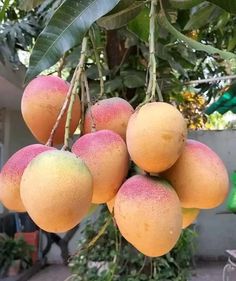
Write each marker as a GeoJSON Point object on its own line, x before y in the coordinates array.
{"type": "Point", "coordinates": [217, 233]}
{"type": "Point", "coordinates": [16, 133]}
{"type": "Point", "coordinates": [16, 136]}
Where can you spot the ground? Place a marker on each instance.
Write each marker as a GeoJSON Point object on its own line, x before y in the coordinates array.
{"type": "Point", "coordinates": [211, 271]}
{"type": "Point", "coordinates": [52, 273]}
{"type": "Point", "coordinates": [204, 272]}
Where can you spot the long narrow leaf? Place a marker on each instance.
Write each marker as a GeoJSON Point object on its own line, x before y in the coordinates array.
{"type": "Point", "coordinates": [28, 5]}
{"type": "Point", "coordinates": [185, 4]}
{"type": "Point", "coordinates": [121, 18]}
{"type": "Point", "coordinates": [4, 8]}
{"type": "Point", "coordinates": [228, 5]}
{"type": "Point", "coordinates": [190, 42]}
{"type": "Point", "coordinates": [66, 29]}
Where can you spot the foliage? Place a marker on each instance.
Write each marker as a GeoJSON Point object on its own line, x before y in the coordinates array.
{"type": "Point", "coordinates": [179, 20]}
{"type": "Point", "coordinates": [192, 106]}
{"type": "Point", "coordinates": [183, 27]}
{"type": "Point", "coordinates": [216, 122]}
{"type": "Point", "coordinates": [65, 30]}
{"type": "Point", "coordinates": [14, 249]}
{"type": "Point", "coordinates": [19, 28]}
{"type": "Point", "coordinates": [112, 258]}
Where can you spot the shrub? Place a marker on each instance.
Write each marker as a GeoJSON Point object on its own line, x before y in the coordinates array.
{"type": "Point", "coordinates": [112, 258]}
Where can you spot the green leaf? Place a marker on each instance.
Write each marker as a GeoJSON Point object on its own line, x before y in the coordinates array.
{"type": "Point", "coordinates": [190, 42]}
{"type": "Point", "coordinates": [222, 20]}
{"type": "Point", "coordinates": [204, 15]}
{"type": "Point", "coordinates": [120, 18]}
{"type": "Point", "coordinates": [162, 52]}
{"type": "Point", "coordinates": [65, 30]}
{"type": "Point", "coordinates": [232, 42]}
{"type": "Point", "coordinates": [123, 4]}
{"type": "Point", "coordinates": [4, 8]}
{"type": "Point", "coordinates": [228, 5]}
{"type": "Point", "coordinates": [113, 85]}
{"type": "Point", "coordinates": [28, 5]}
{"type": "Point", "coordinates": [140, 25]}
{"type": "Point", "coordinates": [133, 79]}
{"type": "Point", "coordinates": [185, 4]}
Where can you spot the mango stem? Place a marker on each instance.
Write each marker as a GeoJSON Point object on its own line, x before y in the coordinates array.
{"type": "Point", "coordinates": [70, 98]}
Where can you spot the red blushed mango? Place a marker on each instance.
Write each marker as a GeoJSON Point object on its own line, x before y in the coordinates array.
{"type": "Point", "coordinates": [106, 156]}
{"type": "Point", "coordinates": [189, 216]}
{"type": "Point", "coordinates": [199, 177]}
{"type": "Point", "coordinates": [56, 190]}
{"type": "Point", "coordinates": [148, 214]}
{"type": "Point", "coordinates": [111, 114]}
{"type": "Point", "coordinates": [11, 174]}
{"type": "Point", "coordinates": [156, 136]}
{"type": "Point", "coordinates": [41, 104]}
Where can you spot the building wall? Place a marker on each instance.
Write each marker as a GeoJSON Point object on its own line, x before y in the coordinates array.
{"type": "Point", "coordinates": [216, 233]}
{"type": "Point", "coordinates": [16, 135]}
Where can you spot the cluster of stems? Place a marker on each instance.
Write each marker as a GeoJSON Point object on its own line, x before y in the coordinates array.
{"type": "Point", "coordinates": [70, 98]}
{"type": "Point", "coordinates": [79, 80]}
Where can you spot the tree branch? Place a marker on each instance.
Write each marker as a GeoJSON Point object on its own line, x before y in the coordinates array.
{"type": "Point", "coordinates": [151, 89]}
{"type": "Point", "coordinates": [85, 81]}
{"type": "Point", "coordinates": [98, 63]}
{"type": "Point", "coordinates": [75, 83]}
{"type": "Point", "coordinates": [214, 79]}
{"type": "Point", "coordinates": [61, 65]}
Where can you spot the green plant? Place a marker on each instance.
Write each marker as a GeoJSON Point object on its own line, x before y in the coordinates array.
{"type": "Point", "coordinates": [11, 250]}
{"type": "Point", "coordinates": [111, 258]}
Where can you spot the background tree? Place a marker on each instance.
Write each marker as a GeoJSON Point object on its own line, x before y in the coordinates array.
{"type": "Point", "coordinates": [187, 35]}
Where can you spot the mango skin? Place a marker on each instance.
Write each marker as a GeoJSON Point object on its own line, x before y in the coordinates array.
{"type": "Point", "coordinates": [148, 214]}
{"type": "Point", "coordinates": [56, 190]}
{"type": "Point", "coordinates": [189, 216]}
{"type": "Point", "coordinates": [110, 205]}
{"type": "Point", "coordinates": [106, 155]}
{"type": "Point", "coordinates": [41, 104]}
{"type": "Point", "coordinates": [109, 114]}
{"type": "Point", "coordinates": [12, 172]}
{"type": "Point", "coordinates": [155, 137]}
{"type": "Point", "coordinates": [199, 177]}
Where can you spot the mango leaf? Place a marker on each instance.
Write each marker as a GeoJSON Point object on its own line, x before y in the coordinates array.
{"type": "Point", "coordinates": [120, 18]}
{"type": "Point", "coordinates": [227, 5]}
{"type": "Point", "coordinates": [232, 42]}
{"type": "Point", "coordinates": [113, 85]}
{"type": "Point", "coordinates": [163, 53]}
{"type": "Point", "coordinates": [163, 21]}
{"type": "Point", "coordinates": [28, 5]}
{"type": "Point", "coordinates": [5, 6]}
{"type": "Point", "coordinates": [204, 15]}
{"type": "Point", "coordinates": [140, 25]}
{"type": "Point", "coordinates": [223, 19]}
{"type": "Point", "coordinates": [123, 4]}
{"type": "Point", "coordinates": [185, 4]}
{"type": "Point", "coordinates": [65, 30]}
{"type": "Point", "coordinates": [133, 79]}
